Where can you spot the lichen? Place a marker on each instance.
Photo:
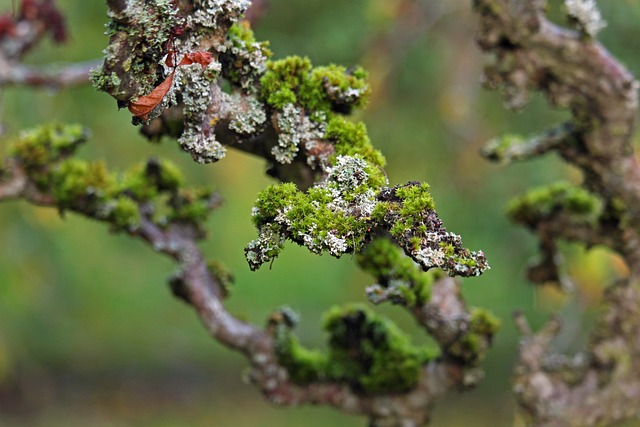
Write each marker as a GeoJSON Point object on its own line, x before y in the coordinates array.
{"type": "Point", "coordinates": [198, 137]}
{"type": "Point", "coordinates": [243, 59]}
{"type": "Point", "coordinates": [248, 116]}
{"type": "Point", "coordinates": [294, 129]}
{"type": "Point", "coordinates": [585, 15]}
{"type": "Point", "coordinates": [340, 214]}
{"type": "Point", "coordinates": [138, 42]}
{"type": "Point", "coordinates": [333, 216]}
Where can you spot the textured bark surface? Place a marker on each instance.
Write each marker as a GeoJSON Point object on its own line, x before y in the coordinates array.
{"type": "Point", "coordinates": [601, 385]}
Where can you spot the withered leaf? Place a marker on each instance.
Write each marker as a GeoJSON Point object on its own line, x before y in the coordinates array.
{"type": "Point", "coordinates": [145, 104]}
{"type": "Point", "coordinates": [199, 57]}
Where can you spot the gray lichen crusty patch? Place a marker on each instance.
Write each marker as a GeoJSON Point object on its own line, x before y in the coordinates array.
{"type": "Point", "coordinates": [294, 128]}
{"type": "Point", "coordinates": [138, 35]}
{"type": "Point", "coordinates": [198, 137]}
{"type": "Point", "coordinates": [247, 114]}
{"type": "Point", "coordinates": [586, 16]}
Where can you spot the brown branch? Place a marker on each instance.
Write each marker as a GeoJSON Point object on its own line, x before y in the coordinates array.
{"type": "Point", "coordinates": [601, 385]}
{"type": "Point", "coordinates": [50, 76]}
{"type": "Point", "coordinates": [445, 315]}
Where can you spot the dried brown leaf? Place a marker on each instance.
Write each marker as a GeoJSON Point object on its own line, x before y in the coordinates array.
{"type": "Point", "coordinates": [145, 104]}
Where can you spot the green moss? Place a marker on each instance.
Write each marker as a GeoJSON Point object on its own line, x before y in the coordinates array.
{"type": "Point", "coordinates": [40, 146]}
{"type": "Point", "coordinates": [74, 180]}
{"type": "Point", "coordinates": [190, 205]}
{"type": "Point", "coordinates": [329, 89]}
{"type": "Point", "coordinates": [366, 351]}
{"type": "Point", "coordinates": [280, 82]}
{"type": "Point", "coordinates": [273, 199]}
{"type": "Point", "coordinates": [351, 139]}
{"type": "Point", "coordinates": [385, 261]}
{"type": "Point", "coordinates": [334, 88]}
{"type": "Point", "coordinates": [379, 212]}
{"type": "Point", "coordinates": [370, 353]}
{"type": "Point", "coordinates": [538, 203]}
{"type": "Point", "coordinates": [416, 200]}
{"type": "Point", "coordinates": [125, 213]}
{"type": "Point", "coordinates": [483, 322]}
{"type": "Point", "coordinates": [472, 346]}
{"type": "Point", "coordinates": [415, 203]}
{"type": "Point", "coordinates": [137, 183]}
{"type": "Point", "coordinates": [89, 188]}
{"type": "Point", "coordinates": [303, 365]}
{"type": "Point", "coordinates": [170, 177]}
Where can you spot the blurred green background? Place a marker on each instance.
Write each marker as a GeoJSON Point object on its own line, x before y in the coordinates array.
{"type": "Point", "coordinates": [89, 333]}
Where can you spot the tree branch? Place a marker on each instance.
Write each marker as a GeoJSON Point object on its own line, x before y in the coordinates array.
{"type": "Point", "coordinates": [600, 386]}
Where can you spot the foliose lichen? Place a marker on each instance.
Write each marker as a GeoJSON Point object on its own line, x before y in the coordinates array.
{"type": "Point", "coordinates": [333, 216]}
{"type": "Point", "coordinates": [243, 59]}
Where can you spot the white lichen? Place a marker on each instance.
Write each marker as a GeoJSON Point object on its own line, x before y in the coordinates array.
{"type": "Point", "coordinates": [586, 14]}
{"type": "Point", "coordinates": [428, 257]}
{"type": "Point", "coordinates": [294, 129]}
{"type": "Point", "coordinates": [198, 138]}
{"type": "Point", "coordinates": [247, 114]}
{"type": "Point", "coordinates": [264, 248]}
{"type": "Point", "coordinates": [335, 245]}
{"type": "Point", "coordinates": [349, 172]}
{"type": "Point", "coordinates": [207, 12]}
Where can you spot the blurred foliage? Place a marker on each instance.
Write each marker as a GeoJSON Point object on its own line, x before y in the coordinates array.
{"type": "Point", "coordinates": [89, 333]}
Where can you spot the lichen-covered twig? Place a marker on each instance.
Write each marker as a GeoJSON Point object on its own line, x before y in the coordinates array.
{"type": "Point", "coordinates": [601, 385]}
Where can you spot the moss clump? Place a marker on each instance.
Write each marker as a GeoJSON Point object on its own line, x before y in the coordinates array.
{"type": "Point", "coordinates": [303, 365]}
{"type": "Point", "coordinates": [190, 205]}
{"type": "Point", "coordinates": [125, 213]}
{"type": "Point", "coordinates": [89, 188]}
{"type": "Point", "coordinates": [334, 216]}
{"type": "Point", "coordinates": [351, 139]}
{"type": "Point", "coordinates": [415, 203]}
{"type": "Point", "coordinates": [387, 263]}
{"type": "Point", "coordinates": [538, 203]}
{"type": "Point", "coordinates": [39, 147]}
{"type": "Point", "coordinates": [329, 89]}
{"type": "Point", "coordinates": [76, 180]}
{"type": "Point", "coordinates": [472, 346]}
{"type": "Point", "coordinates": [371, 353]}
{"type": "Point", "coordinates": [366, 351]}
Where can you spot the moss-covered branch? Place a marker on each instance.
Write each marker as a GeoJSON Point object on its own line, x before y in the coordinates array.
{"type": "Point", "coordinates": [193, 71]}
